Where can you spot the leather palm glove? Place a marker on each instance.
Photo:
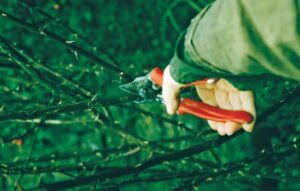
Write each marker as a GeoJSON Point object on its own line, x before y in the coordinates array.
{"type": "Point", "coordinates": [221, 93]}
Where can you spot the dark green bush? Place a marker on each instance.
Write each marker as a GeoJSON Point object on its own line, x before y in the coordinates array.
{"type": "Point", "coordinates": [64, 123]}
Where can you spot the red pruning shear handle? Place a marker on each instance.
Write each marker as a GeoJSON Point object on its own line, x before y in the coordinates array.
{"type": "Point", "coordinates": [200, 109]}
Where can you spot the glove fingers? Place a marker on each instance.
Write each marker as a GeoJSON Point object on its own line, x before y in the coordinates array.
{"type": "Point", "coordinates": [223, 102]}
{"type": "Point", "coordinates": [207, 95]}
{"type": "Point", "coordinates": [232, 127]}
{"type": "Point", "coordinates": [234, 98]}
{"type": "Point", "coordinates": [224, 85]}
{"type": "Point", "coordinates": [213, 124]}
{"type": "Point", "coordinates": [247, 99]}
{"type": "Point", "coordinates": [222, 99]}
{"type": "Point", "coordinates": [221, 128]}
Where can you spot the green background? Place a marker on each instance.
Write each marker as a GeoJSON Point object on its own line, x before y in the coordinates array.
{"type": "Point", "coordinates": [41, 70]}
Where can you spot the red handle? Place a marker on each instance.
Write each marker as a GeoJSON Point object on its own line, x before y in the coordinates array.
{"type": "Point", "coordinates": [157, 74]}
{"type": "Point", "coordinates": [206, 111]}
{"type": "Point", "coordinates": [201, 109]}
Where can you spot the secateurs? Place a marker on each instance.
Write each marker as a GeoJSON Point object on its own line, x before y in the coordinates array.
{"type": "Point", "coordinates": [148, 88]}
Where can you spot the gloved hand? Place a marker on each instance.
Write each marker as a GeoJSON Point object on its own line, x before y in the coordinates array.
{"type": "Point", "coordinates": [221, 94]}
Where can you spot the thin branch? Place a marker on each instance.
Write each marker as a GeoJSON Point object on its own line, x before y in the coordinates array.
{"type": "Point", "coordinates": [160, 177]}
{"type": "Point", "coordinates": [17, 183]}
{"type": "Point", "coordinates": [44, 32]}
{"type": "Point", "coordinates": [96, 153]}
{"type": "Point", "coordinates": [64, 108]}
{"type": "Point", "coordinates": [160, 118]}
{"type": "Point", "coordinates": [8, 65]}
{"type": "Point", "coordinates": [35, 68]}
{"type": "Point", "coordinates": [74, 89]}
{"type": "Point", "coordinates": [7, 140]}
{"type": "Point", "coordinates": [173, 156]}
{"type": "Point", "coordinates": [78, 166]}
{"type": "Point", "coordinates": [170, 121]}
{"type": "Point", "coordinates": [18, 89]}
{"type": "Point", "coordinates": [238, 165]}
{"type": "Point", "coordinates": [39, 71]}
{"type": "Point", "coordinates": [57, 21]}
{"type": "Point", "coordinates": [68, 28]}
{"type": "Point", "coordinates": [207, 176]}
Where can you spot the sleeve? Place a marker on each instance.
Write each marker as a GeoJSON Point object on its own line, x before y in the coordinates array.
{"type": "Point", "coordinates": [241, 40]}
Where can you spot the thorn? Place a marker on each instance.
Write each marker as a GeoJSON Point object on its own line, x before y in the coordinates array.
{"type": "Point", "coordinates": [70, 41]}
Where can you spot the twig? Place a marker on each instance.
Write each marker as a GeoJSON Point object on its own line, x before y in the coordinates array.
{"type": "Point", "coordinates": [164, 119]}
{"type": "Point", "coordinates": [18, 89]}
{"type": "Point", "coordinates": [17, 183]}
{"type": "Point", "coordinates": [96, 153]}
{"type": "Point", "coordinates": [234, 166]}
{"type": "Point", "coordinates": [159, 117]}
{"type": "Point", "coordinates": [166, 176]}
{"type": "Point", "coordinates": [7, 140]}
{"type": "Point", "coordinates": [36, 69]}
{"type": "Point", "coordinates": [74, 89]}
{"type": "Point", "coordinates": [8, 65]}
{"type": "Point", "coordinates": [206, 176]}
{"type": "Point", "coordinates": [169, 14]}
{"type": "Point", "coordinates": [68, 28]}
{"type": "Point", "coordinates": [166, 157]}
{"type": "Point", "coordinates": [44, 32]}
{"type": "Point", "coordinates": [79, 166]}
{"type": "Point", "coordinates": [67, 83]}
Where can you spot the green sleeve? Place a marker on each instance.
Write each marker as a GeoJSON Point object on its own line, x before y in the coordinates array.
{"type": "Point", "coordinates": [243, 41]}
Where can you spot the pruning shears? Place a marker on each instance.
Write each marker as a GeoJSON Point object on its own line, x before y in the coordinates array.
{"type": "Point", "coordinates": [148, 88]}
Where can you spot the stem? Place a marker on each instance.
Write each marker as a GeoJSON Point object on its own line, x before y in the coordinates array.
{"type": "Point", "coordinates": [75, 154]}
{"type": "Point", "coordinates": [159, 117]}
{"type": "Point", "coordinates": [67, 28]}
{"type": "Point", "coordinates": [44, 32]}
{"type": "Point", "coordinates": [63, 108]}
{"type": "Point", "coordinates": [173, 156]}
{"type": "Point", "coordinates": [35, 68]}
{"type": "Point", "coordinates": [40, 72]}
{"type": "Point", "coordinates": [232, 167]}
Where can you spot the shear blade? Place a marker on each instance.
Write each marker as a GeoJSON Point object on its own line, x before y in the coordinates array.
{"type": "Point", "coordinates": [142, 87]}
{"type": "Point", "coordinates": [128, 88]}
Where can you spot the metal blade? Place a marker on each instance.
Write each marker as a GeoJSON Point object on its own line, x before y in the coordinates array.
{"type": "Point", "coordinates": [143, 87]}
{"type": "Point", "coordinates": [129, 88]}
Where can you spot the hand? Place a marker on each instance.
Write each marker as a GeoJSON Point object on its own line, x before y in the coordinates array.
{"type": "Point", "coordinates": [221, 94]}
{"type": "Point", "coordinates": [226, 96]}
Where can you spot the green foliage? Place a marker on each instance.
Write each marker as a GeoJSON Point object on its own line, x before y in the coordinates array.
{"type": "Point", "coordinates": [65, 123]}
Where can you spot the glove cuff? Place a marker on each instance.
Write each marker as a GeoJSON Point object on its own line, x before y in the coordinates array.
{"type": "Point", "coordinates": [170, 80]}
